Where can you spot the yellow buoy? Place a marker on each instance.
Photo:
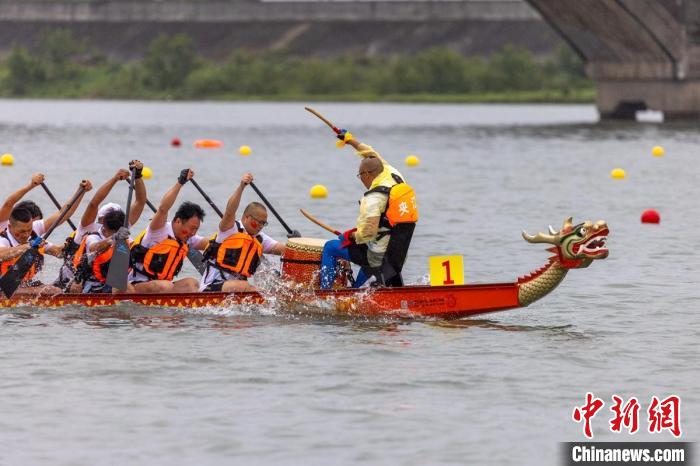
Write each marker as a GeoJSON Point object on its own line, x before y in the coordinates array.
{"type": "Point", "coordinates": [147, 173]}
{"type": "Point", "coordinates": [244, 150]}
{"type": "Point", "coordinates": [7, 159]}
{"type": "Point", "coordinates": [657, 151]}
{"type": "Point", "coordinates": [618, 173]}
{"type": "Point", "coordinates": [412, 161]}
{"type": "Point", "coordinates": [318, 191]}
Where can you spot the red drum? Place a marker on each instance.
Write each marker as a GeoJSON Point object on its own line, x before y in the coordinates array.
{"type": "Point", "coordinates": [301, 263]}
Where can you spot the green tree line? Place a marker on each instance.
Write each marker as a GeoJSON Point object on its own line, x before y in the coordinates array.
{"type": "Point", "coordinates": [63, 66]}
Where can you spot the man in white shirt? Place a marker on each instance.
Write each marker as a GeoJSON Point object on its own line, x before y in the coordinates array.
{"type": "Point", "coordinates": [92, 218]}
{"type": "Point", "coordinates": [159, 252]}
{"type": "Point", "coordinates": [235, 253]}
{"type": "Point", "coordinates": [15, 241]}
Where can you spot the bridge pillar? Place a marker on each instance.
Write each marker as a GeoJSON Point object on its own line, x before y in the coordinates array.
{"type": "Point", "coordinates": [642, 54]}
{"type": "Point", "coordinates": [678, 100]}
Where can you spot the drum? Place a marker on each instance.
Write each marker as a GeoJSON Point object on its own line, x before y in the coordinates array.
{"type": "Point", "coordinates": [301, 263]}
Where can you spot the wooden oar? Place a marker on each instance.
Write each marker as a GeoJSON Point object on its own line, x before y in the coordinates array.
{"type": "Point", "coordinates": [14, 276]}
{"type": "Point", "coordinates": [319, 223]}
{"type": "Point", "coordinates": [347, 266]}
{"type": "Point", "coordinates": [56, 203]}
{"type": "Point", "coordinates": [195, 257]}
{"type": "Point", "coordinates": [118, 273]}
{"type": "Point", "coordinates": [290, 233]}
{"type": "Point", "coordinates": [323, 119]}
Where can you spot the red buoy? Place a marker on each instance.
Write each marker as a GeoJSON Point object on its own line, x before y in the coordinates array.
{"type": "Point", "coordinates": [175, 142]}
{"type": "Point", "coordinates": [650, 216]}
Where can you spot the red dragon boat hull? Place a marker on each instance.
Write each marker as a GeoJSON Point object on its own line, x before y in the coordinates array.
{"type": "Point", "coordinates": [409, 301]}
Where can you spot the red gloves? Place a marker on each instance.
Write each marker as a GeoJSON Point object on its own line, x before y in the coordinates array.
{"type": "Point", "coordinates": [345, 239]}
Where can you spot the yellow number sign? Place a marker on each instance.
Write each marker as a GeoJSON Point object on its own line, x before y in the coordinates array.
{"type": "Point", "coordinates": [446, 270]}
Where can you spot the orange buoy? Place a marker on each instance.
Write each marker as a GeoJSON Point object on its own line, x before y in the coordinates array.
{"type": "Point", "coordinates": [650, 216]}
{"type": "Point", "coordinates": [208, 144]}
{"type": "Point", "coordinates": [175, 142]}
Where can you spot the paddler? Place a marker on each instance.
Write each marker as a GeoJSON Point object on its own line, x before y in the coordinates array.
{"type": "Point", "coordinates": [98, 249]}
{"type": "Point", "coordinates": [40, 225]}
{"type": "Point", "coordinates": [384, 227]}
{"type": "Point", "coordinates": [93, 220]}
{"type": "Point", "coordinates": [14, 198]}
{"type": "Point", "coordinates": [234, 253]}
{"type": "Point", "coordinates": [15, 241]}
{"type": "Point", "coordinates": [158, 252]}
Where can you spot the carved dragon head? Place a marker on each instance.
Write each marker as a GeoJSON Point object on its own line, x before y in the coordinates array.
{"type": "Point", "coordinates": [576, 245]}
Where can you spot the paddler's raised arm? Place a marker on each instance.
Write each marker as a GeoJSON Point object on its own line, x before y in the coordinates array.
{"type": "Point", "coordinates": [161, 216]}
{"type": "Point", "coordinates": [14, 198]}
{"type": "Point", "coordinates": [140, 192]}
{"type": "Point", "coordinates": [229, 218]}
{"type": "Point", "coordinates": [101, 194]}
{"type": "Point", "coordinates": [87, 185]}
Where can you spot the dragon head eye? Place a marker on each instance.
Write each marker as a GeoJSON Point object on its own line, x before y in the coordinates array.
{"type": "Point", "coordinates": [581, 232]}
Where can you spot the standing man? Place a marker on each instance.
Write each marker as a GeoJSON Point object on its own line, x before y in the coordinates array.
{"type": "Point", "coordinates": [384, 227]}
{"type": "Point", "coordinates": [235, 252]}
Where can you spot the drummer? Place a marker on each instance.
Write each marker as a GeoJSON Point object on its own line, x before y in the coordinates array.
{"type": "Point", "coordinates": [367, 245]}
{"type": "Point", "coordinates": [234, 253]}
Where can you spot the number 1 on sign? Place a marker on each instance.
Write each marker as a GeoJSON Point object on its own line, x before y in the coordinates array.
{"type": "Point", "coordinates": [446, 270]}
{"type": "Point", "coordinates": [448, 280]}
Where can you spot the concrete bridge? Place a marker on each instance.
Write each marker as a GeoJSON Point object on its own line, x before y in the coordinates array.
{"type": "Point", "coordinates": [642, 54]}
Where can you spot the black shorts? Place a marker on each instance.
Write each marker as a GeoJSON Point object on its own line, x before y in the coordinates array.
{"type": "Point", "coordinates": [358, 254]}
{"type": "Point", "coordinates": [217, 285]}
{"type": "Point", "coordinates": [214, 286]}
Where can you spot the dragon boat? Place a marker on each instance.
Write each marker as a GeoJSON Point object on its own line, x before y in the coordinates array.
{"type": "Point", "coordinates": [573, 247]}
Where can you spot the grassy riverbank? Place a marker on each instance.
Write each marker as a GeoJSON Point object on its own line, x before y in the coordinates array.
{"type": "Point", "coordinates": [62, 66]}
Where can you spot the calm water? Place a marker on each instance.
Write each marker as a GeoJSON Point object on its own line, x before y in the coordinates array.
{"type": "Point", "coordinates": [265, 386]}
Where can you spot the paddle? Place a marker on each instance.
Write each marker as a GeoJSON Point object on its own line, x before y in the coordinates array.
{"type": "Point", "coordinates": [290, 233]}
{"type": "Point", "coordinates": [55, 202]}
{"type": "Point", "coordinates": [14, 276]}
{"type": "Point", "coordinates": [319, 223]}
{"type": "Point", "coordinates": [118, 273]}
{"type": "Point", "coordinates": [320, 117]}
{"type": "Point", "coordinates": [348, 267]}
{"type": "Point", "coordinates": [193, 255]}
{"type": "Point", "coordinates": [207, 198]}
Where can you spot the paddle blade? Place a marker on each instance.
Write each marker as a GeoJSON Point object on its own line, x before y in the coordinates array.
{"type": "Point", "coordinates": [118, 272]}
{"type": "Point", "coordinates": [197, 260]}
{"type": "Point", "coordinates": [13, 278]}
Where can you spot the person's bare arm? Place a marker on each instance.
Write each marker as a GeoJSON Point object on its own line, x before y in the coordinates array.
{"type": "Point", "coordinates": [9, 253]}
{"type": "Point", "coordinates": [17, 196]}
{"type": "Point", "coordinates": [202, 244]}
{"type": "Point", "coordinates": [54, 250]}
{"type": "Point", "coordinates": [277, 249]}
{"type": "Point", "coordinates": [229, 218]}
{"type": "Point", "coordinates": [161, 217]}
{"type": "Point", "coordinates": [52, 218]}
{"type": "Point", "coordinates": [140, 191]}
{"type": "Point", "coordinates": [101, 246]}
{"type": "Point", "coordinates": [101, 194]}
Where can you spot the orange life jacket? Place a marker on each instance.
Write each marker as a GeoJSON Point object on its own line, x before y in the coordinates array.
{"type": "Point", "coordinates": [401, 207]}
{"type": "Point", "coordinates": [239, 253]}
{"type": "Point", "coordinates": [79, 253]}
{"type": "Point", "coordinates": [97, 271]}
{"type": "Point", "coordinates": [161, 261]}
{"type": "Point", "coordinates": [36, 267]}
